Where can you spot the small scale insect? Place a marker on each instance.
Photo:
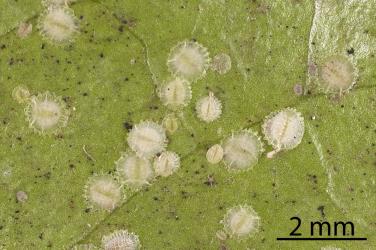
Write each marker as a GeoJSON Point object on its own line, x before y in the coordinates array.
{"type": "Point", "coordinates": [24, 30]}
{"type": "Point", "coordinates": [189, 60]}
{"type": "Point", "coordinates": [214, 154]}
{"type": "Point", "coordinates": [176, 93]}
{"type": "Point", "coordinates": [121, 240]}
{"type": "Point", "coordinates": [241, 222]}
{"type": "Point", "coordinates": [221, 63]}
{"type": "Point", "coordinates": [337, 74]}
{"type": "Point", "coordinates": [312, 69]}
{"type": "Point", "coordinates": [284, 130]}
{"type": "Point", "coordinates": [170, 123]}
{"type": "Point", "coordinates": [209, 108]}
{"type": "Point", "coordinates": [298, 89]}
{"type": "Point", "coordinates": [221, 235]}
{"type": "Point", "coordinates": [134, 171]}
{"type": "Point", "coordinates": [166, 164]}
{"type": "Point", "coordinates": [21, 196]}
{"type": "Point", "coordinates": [242, 150]}
{"type": "Point", "coordinates": [21, 94]}
{"type": "Point", "coordinates": [147, 139]}
{"type": "Point", "coordinates": [104, 192]}
{"type": "Point", "coordinates": [45, 112]}
{"type": "Point", "coordinates": [58, 24]}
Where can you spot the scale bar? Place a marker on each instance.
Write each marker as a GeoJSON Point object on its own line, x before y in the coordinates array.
{"type": "Point", "coordinates": [302, 238]}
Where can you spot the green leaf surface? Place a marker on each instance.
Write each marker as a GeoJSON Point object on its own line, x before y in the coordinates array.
{"type": "Point", "coordinates": [108, 76]}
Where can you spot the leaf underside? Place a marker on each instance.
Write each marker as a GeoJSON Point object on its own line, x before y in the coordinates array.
{"type": "Point", "coordinates": [108, 76]}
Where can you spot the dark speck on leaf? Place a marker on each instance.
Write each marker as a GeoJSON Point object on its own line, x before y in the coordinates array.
{"type": "Point", "coordinates": [351, 51]}
{"type": "Point", "coordinates": [321, 209]}
{"type": "Point", "coordinates": [128, 126]}
{"type": "Point", "coordinates": [184, 194]}
{"type": "Point", "coordinates": [210, 181]}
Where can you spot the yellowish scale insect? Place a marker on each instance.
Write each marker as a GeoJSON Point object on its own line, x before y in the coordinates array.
{"type": "Point", "coordinates": [45, 112]}
{"type": "Point", "coordinates": [58, 24]}
{"type": "Point", "coordinates": [189, 60]}
{"type": "Point", "coordinates": [147, 139]}
{"type": "Point", "coordinates": [214, 154]}
{"type": "Point", "coordinates": [121, 240]}
{"type": "Point", "coordinates": [241, 222]}
{"type": "Point", "coordinates": [175, 93]}
{"type": "Point", "coordinates": [170, 123]}
{"type": "Point", "coordinates": [21, 94]}
{"type": "Point", "coordinates": [284, 130]}
{"type": "Point", "coordinates": [221, 63]}
{"type": "Point", "coordinates": [103, 192]}
{"type": "Point", "coordinates": [221, 235]}
{"type": "Point", "coordinates": [166, 163]}
{"type": "Point", "coordinates": [242, 150]}
{"type": "Point", "coordinates": [209, 108]}
{"type": "Point", "coordinates": [134, 171]}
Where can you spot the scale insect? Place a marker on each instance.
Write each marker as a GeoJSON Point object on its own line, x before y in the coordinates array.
{"type": "Point", "coordinates": [147, 139]}
{"type": "Point", "coordinates": [242, 150]}
{"type": "Point", "coordinates": [209, 108]}
{"type": "Point", "coordinates": [175, 93]}
{"type": "Point", "coordinates": [166, 163]}
{"type": "Point", "coordinates": [103, 192]}
{"type": "Point", "coordinates": [45, 112]}
{"type": "Point", "coordinates": [283, 130]}
{"type": "Point", "coordinates": [121, 240]}
{"type": "Point", "coordinates": [21, 94]}
{"type": "Point", "coordinates": [221, 63]}
{"type": "Point", "coordinates": [189, 60]}
{"type": "Point", "coordinates": [133, 171]}
{"type": "Point", "coordinates": [58, 24]}
{"type": "Point", "coordinates": [214, 154]}
{"type": "Point", "coordinates": [170, 123]}
{"type": "Point", "coordinates": [241, 222]}
{"type": "Point", "coordinates": [337, 74]}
